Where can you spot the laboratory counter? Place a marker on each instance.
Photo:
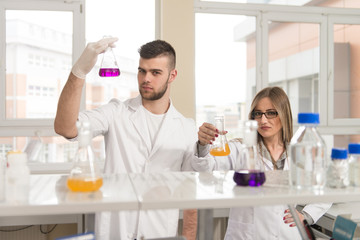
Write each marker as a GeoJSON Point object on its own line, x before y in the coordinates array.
{"type": "Point", "coordinates": [184, 190]}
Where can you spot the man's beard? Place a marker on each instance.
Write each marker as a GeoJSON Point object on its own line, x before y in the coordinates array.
{"type": "Point", "coordinates": [156, 95]}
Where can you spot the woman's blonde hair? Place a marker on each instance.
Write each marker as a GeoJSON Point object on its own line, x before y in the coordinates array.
{"type": "Point", "coordinates": [281, 103]}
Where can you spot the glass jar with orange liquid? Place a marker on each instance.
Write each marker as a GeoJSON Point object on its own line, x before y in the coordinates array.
{"type": "Point", "coordinates": [85, 176]}
{"type": "Point", "coordinates": [220, 146]}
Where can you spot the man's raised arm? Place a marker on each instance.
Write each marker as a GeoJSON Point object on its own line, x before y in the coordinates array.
{"type": "Point", "coordinates": [69, 101]}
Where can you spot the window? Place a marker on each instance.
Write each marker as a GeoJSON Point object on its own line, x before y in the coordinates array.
{"type": "Point", "coordinates": [38, 37]}
{"type": "Point", "coordinates": [124, 20]}
{"type": "Point", "coordinates": [294, 64]}
{"type": "Point", "coordinates": [21, 73]}
{"type": "Point", "coordinates": [222, 62]}
{"type": "Point", "coordinates": [309, 51]}
{"type": "Point", "coordinates": [335, 4]}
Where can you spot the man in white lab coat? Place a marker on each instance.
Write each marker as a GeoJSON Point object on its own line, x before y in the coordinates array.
{"type": "Point", "coordinates": [142, 135]}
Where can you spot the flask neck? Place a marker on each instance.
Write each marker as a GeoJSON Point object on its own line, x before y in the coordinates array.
{"type": "Point", "coordinates": [250, 133]}
{"type": "Point", "coordinates": [219, 124]}
{"type": "Point", "coordinates": [309, 125]}
{"type": "Point", "coordinates": [250, 137]}
{"type": "Point", "coordinates": [84, 138]}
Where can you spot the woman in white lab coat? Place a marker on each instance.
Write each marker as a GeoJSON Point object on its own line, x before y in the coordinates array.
{"type": "Point", "coordinates": [271, 109]}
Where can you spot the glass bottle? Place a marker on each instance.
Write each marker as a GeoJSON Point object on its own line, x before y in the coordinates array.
{"type": "Point", "coordinates": [17, 178]}
{"type": "Point", "coordinates": [338, 171]}
{"type": "Point", "coordinates": [354, 164]}
{"type": "Point", "coordinates": [307, 154]}
{"type": "Point", "coordinates": [251, 170]}
{"type": "Point", "coordinates": [220, 146]}
{"type": "Point", "coordinates": [85, 175]}
{"type": "Point", "coordinates": [109, 66]}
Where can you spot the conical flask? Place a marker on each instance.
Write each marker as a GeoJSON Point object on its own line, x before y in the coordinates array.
{"type": "Point", "coordinates": [109, 66]}
{"type": "Point", "coordinates": [85, 176]}
{"type": "Point", "coordinates": [251, 169]}
{"type": "Point", "coordinates": [220, 146]}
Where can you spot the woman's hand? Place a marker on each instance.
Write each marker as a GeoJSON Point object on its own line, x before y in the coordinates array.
{"type": "Point", "coordinates": [288, 219]}
{"type": "Point", "coordinates": [207, 133]}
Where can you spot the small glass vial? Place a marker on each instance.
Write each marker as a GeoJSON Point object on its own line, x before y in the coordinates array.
{"type": "Point", "coordinates": [109, 66]}
{"type": "Point", "coordinates": [220, 146]}
{"type": "Point", "coordinates": [17, 178]}
{"type": "Point", "coordinates": [85, 175]}
{"type": "Point", "coordinates": [354, 164]}
{"type": "Point", "coordinates": [338, 171]}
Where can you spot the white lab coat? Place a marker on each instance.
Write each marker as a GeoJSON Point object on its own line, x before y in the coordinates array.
{"type": "Point", "coordinates": [128, 150]}
{"type": "Point", "coordinates": [261, 222]}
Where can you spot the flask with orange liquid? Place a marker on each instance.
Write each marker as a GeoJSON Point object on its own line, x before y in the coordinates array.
{"type": "Point", "coordinates": [85, 175]}
{"type": "Point", "coordinates": [220, 146]}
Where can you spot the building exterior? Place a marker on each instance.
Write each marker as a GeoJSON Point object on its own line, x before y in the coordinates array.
{"type": "Point", "coordinates": [39, 60]}
{"type": "Point", "coordinates": [294, 64]}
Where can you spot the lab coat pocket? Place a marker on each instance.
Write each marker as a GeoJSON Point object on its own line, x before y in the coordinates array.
{"type": "Point", "coordinates": [238, 231]}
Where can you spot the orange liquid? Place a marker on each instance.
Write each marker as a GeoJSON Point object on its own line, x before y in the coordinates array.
{"type": "Point", "coordinates": [220, 151]}
{"type": "Point", "coordinates": [84, 185]}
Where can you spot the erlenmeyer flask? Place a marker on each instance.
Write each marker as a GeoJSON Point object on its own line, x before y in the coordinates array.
{"type": "Point", "coordinates": [220, 146]}
{"type": "Point", "coordinates": [85, 175]}
{"type": "Point", "coordinates": [109, 66]}
{"type": "Point", "coordinates": [251, 170]}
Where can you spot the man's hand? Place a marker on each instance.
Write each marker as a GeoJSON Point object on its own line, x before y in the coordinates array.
{"type": "Point", "coordinates": [88, 58]}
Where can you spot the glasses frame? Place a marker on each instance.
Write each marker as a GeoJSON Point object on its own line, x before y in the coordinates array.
{"type": "Point", "coordinates": [264, 113]}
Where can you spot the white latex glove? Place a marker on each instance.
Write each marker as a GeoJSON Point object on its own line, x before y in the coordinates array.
{"type": "Point", "coordinates": [88, 58]}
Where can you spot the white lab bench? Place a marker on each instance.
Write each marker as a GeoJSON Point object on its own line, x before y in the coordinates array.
{"type": "Point", "coordinates": [184, 190]}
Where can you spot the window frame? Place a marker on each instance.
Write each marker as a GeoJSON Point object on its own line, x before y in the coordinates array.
{"type": "Point", "coordinates": [333, 20]}
{"type": "Point", "coordinates": [31, 127]}
{"type": "Point", "coordinates": [325, 16]}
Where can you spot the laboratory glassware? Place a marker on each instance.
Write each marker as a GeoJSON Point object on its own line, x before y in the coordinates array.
{"type": "Point", "coordinates": [17, 178]}
{"type": "Point", "coordinates": [109, 66]}
{"type": "Point", "coordinates": [251, 168]}
{"type": "Point", "coordinates": [85, 176]}
{"type": "Point", "coordinates": [220, 146]}
{"type": "Point", "coordinates": [354, 164]}
{"type": "Point", "coordinates": [307, 154]}
{"type": "Point", "coordinates": [338, 170]}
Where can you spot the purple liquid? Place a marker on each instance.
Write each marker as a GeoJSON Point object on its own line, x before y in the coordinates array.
{"type": "Point", "coordinates": [252, 178]}
{"type": "Point", "coordinates": [109, 72]}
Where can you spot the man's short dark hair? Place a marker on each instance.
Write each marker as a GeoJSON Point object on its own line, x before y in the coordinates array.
{"type": "Point", "coordinates": [158, 48]}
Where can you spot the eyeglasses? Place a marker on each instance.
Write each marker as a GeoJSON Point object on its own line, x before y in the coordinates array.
{"type": "Point", "coordinates": [268, 115]}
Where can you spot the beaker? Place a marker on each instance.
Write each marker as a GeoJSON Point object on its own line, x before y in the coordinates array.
{"type": "Point", "coordinates": [220, 146]}
{"type": "Point", "coordinates": [251, 169]}
{"type": "Point", "coordinates": [109, 66]}
{"type": "Point", "coordinates": [85, 175]}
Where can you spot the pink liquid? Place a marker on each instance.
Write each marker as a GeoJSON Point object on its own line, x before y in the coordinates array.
{"type": "Point", "coordinates": [252, 178]}
{"type": "Point", "coordinates": [109, 72]}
